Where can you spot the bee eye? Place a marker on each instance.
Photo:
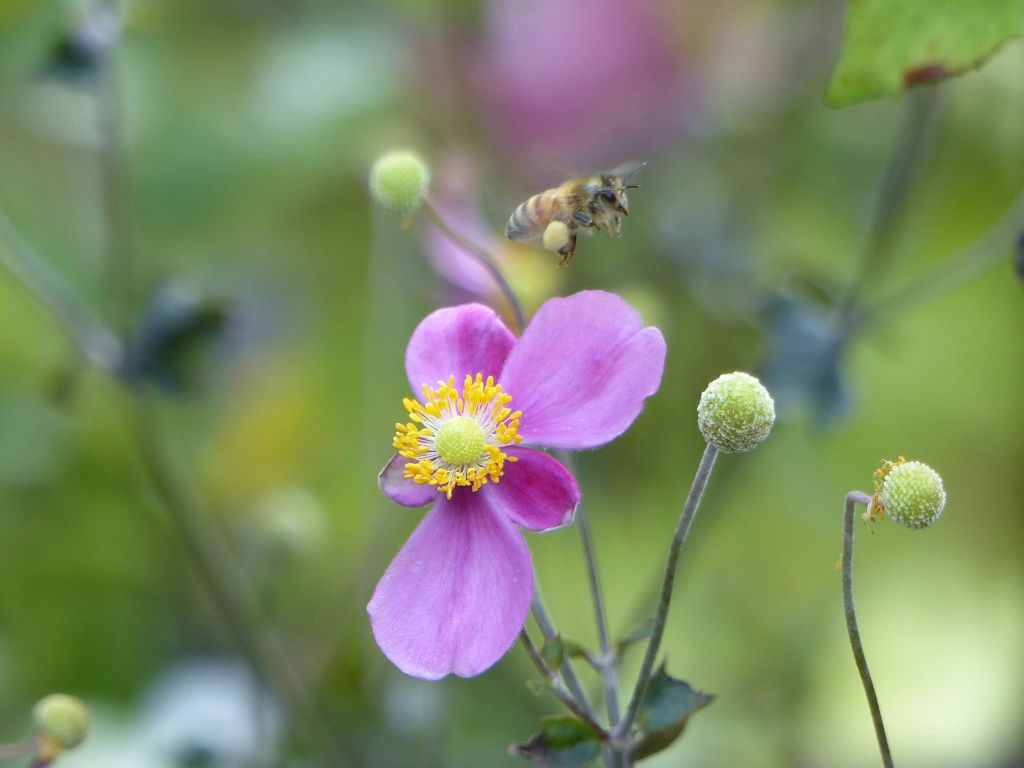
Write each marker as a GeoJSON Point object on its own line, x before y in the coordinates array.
{"type": "Point", "coordinates": [608, 197]}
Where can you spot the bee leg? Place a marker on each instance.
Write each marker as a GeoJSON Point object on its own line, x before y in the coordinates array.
{"type": "Point", "coordinates": [568, 250]}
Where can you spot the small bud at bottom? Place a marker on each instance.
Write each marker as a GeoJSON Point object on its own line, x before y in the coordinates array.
{"type": "Point", "coordinates": [63, 720]}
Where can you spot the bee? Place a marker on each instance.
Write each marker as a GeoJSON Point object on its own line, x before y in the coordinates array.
{"type": "Point", "coordinates": [585, 204]}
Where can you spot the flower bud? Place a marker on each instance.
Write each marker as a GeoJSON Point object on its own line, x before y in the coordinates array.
{"type": "Point", "coordinates": [63, 720]}
{"type": "Point", "coordinates": [735, 413]}
{"type": "Point", "coordinates": [399, 181]}
{"type": "Point", "coordinates": [912, 495]}
{"type": "Point", "coordinates": [556, 236]}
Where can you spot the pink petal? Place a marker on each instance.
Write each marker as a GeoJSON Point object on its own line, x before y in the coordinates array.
{"type": "Point", "coordinates": [457, 594]}
{"type": "Point", "coordinates": [400, 489]}
{"type": "Point", "coordinates": [582, 370]}
{"type": "Point", "coordinates": [537, 492]}
{"type": "Point", "coordinates": [457, 341]}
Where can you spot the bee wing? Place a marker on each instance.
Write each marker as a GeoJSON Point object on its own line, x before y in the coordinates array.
{"type": "Point", "coordinates": [626, 171]}
{"type": "Point", "coordinates": [531, 218]}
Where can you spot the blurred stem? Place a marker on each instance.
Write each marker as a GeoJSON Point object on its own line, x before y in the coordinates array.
{"type": "Point", "coordinates": [553, 678]}
{"type": "Point", "coordinates": [972, 262]}
{"type": "Point", "coordinates": [607, 664]}
{"type": "Point", "coordinates": [236, 603]}
{"type": "Point", "coordinates": [852, 500]}
{"type": "Point", "coordinates": [700, 481]}
{"type": "Point", "coordinates": [905, 163]}
{"type": "Point", "coordinates": [85, 331]}
{"type": "Point", "coordinates": [19, 748]}
{"type": "Point", "coordinates": [484, 258]}
{"type": "Point", "coordinates": [118, 277]}
{"type": "Point", "coordinates": [548, 631]}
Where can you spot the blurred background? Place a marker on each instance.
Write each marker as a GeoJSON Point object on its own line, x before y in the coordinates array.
{"type": "Point", "coordinates": [196, 172]}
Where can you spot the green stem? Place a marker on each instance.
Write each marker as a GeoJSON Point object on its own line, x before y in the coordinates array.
{"type": "Point", "coordinates": [852, 500]}
{"type": "Point", "coordinates": [905, 163]}
{"type": "Point", "coordinates": [553, 678]}
{"type": "Point", "coordinates": [700, 481]}
{"type": "Point", "coordinates": [485, 260]}
{"type": "Point", "coordinates": [19, 748]}
{"type": "Point", "coordinates": [548, 631]}
{"type": "Point", "coordinates": [99, 346]}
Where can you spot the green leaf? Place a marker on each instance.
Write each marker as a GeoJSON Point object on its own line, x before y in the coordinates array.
{"type": "Point", "coordinates": [893, 45]}
{"type": "Point", "coordinates": [667, 705]}
{"type": "Point", "coordinates": [638, 634]}
{"type": "Point", "coordinates": [553, 652]}
{"type": "Point", "coordinates": [563, 742]}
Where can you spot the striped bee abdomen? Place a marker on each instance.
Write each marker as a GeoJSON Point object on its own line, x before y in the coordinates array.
{"type": "Point", "coordinates": [531, 217]}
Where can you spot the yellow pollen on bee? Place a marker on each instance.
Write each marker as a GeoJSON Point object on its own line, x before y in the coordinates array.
{"type": "Point", "coordinates": [454, 437]}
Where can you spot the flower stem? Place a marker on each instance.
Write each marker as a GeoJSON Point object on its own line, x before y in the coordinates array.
{"type": "Point", "coordinates": [19, 748]}
{"type": "Point", "coordinates": [553, 677]}
{"type": "Point", "coordinates": [548, 631]}
{"type": "Point", "coordinates": [852, 500]}
{"type": "Point", "coordinates": [700, 481]}
{"type": "Point", "coordinates": [905, 163]}
{"type": "Point", "coordinates": [484, 258]}
{"type": "Point", "coordinates": [235, 601]}
{"type": "Point", "coordinates": [99, 346]}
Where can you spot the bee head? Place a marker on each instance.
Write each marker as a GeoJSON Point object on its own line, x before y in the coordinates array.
{"type": "Point", "coordinates": [614, 185]}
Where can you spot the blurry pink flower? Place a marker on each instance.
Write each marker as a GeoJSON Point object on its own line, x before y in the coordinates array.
{"type": "Point", "coordinates": [457, 594]}
{"type": "Point", "coordinates": [582, 83]}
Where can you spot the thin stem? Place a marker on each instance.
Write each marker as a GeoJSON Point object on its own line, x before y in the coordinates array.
{"type": "Point", "coordinates": [553, 678]}
{"type": "Point", "coordinates": [852, 500]}
{"type": "Point", "coordinates": [607, 663]}
{"type": "Point", "coordinates": [97, 343]}
{"type": "Point", "coordinates": [611, 686]}
{"type": "Point", "coordinates": [484, 258]}
{"type": "Point", "coordinates": [974, 260]}
{"type": "Point", "coordinates": [235, 601]}
{"type": "Point", "coordinates": [19, 748]}
{"type": "Point", "coordinates": [700, 481]}
{"type": "Point", "coordinates": [547, 629]}
{"type": "Point", "coordinates": [906, 160]}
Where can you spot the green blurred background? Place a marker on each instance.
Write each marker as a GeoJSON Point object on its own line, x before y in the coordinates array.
{"type": "Point", "coordinates": [245, 129]}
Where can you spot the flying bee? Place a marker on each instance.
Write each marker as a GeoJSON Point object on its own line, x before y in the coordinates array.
{"type": "Point", "coordinates": [585, 204]}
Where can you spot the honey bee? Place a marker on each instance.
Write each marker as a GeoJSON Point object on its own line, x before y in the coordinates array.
{"type": "Point", "coordinates": [585, 204]}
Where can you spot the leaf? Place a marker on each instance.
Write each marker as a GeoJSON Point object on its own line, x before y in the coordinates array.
{"type": "Point", "coordinates": [553, 652]}
{"type": "Point", "coordinates": [893, 45]}
{"type": "Point", "coordinates": [563, 742]}
{"type": "Point", "coordinates": [638, 634]}
{"type": "Point", "coordinates": [667, 705]}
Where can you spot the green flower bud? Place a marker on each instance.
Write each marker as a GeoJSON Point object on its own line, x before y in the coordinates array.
{"type": "Point", "coordinates": [912, 494]}
{"type": "Point", "coordinates": [735, 413]}
{"type": "Point", "coordinates": [399, 181]}
{"type": "Point", "coordinates": [63, 720]}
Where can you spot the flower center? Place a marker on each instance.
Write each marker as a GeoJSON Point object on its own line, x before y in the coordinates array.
{"type": "Point", "coordinates": [460, 440]}
{"type": "Point", "coordinates": [455, 436]}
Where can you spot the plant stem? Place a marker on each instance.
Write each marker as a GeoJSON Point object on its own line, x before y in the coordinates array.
{"type": "Point", "coordinates": [606, 663]}
{"type": "Point", "coordinates": [236, 603]}
{"type": "Point", "coordinates": [554, 679]}
{"type": "Point", "coordinates": [99, 346]}
{"type": "Point", "coordinates": [852, 500]}
{"type": "Point", "coordinates": [548, 631]}
{"type": "Point", "coordinates": [905, 162]}
{"type": "Point", "coordinates": [484, 258]}
{"type": "Point", "coordinates": [700, 481]}
{"type": "Point", "coordinates": [19, 748]}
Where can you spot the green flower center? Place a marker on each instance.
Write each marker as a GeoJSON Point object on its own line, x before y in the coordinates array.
{"type": "Point", "coordinates": [460, 440]}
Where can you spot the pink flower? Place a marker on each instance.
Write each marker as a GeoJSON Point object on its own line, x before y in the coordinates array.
{"type": "Point", "coordinates": [457, 594]}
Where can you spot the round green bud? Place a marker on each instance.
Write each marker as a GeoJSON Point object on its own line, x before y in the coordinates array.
{"type": "Point", "coordinates": [62, 720]}
{"type": "Point", "coordinates": [399, 181]}
{"type": "Point", "coordinates": [735, 413]}
{"type": "Point", "coordinates": [912, 495]}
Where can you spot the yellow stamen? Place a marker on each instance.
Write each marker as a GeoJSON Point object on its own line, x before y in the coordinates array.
{"type": "Point", "coordinates": [454, 437]}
